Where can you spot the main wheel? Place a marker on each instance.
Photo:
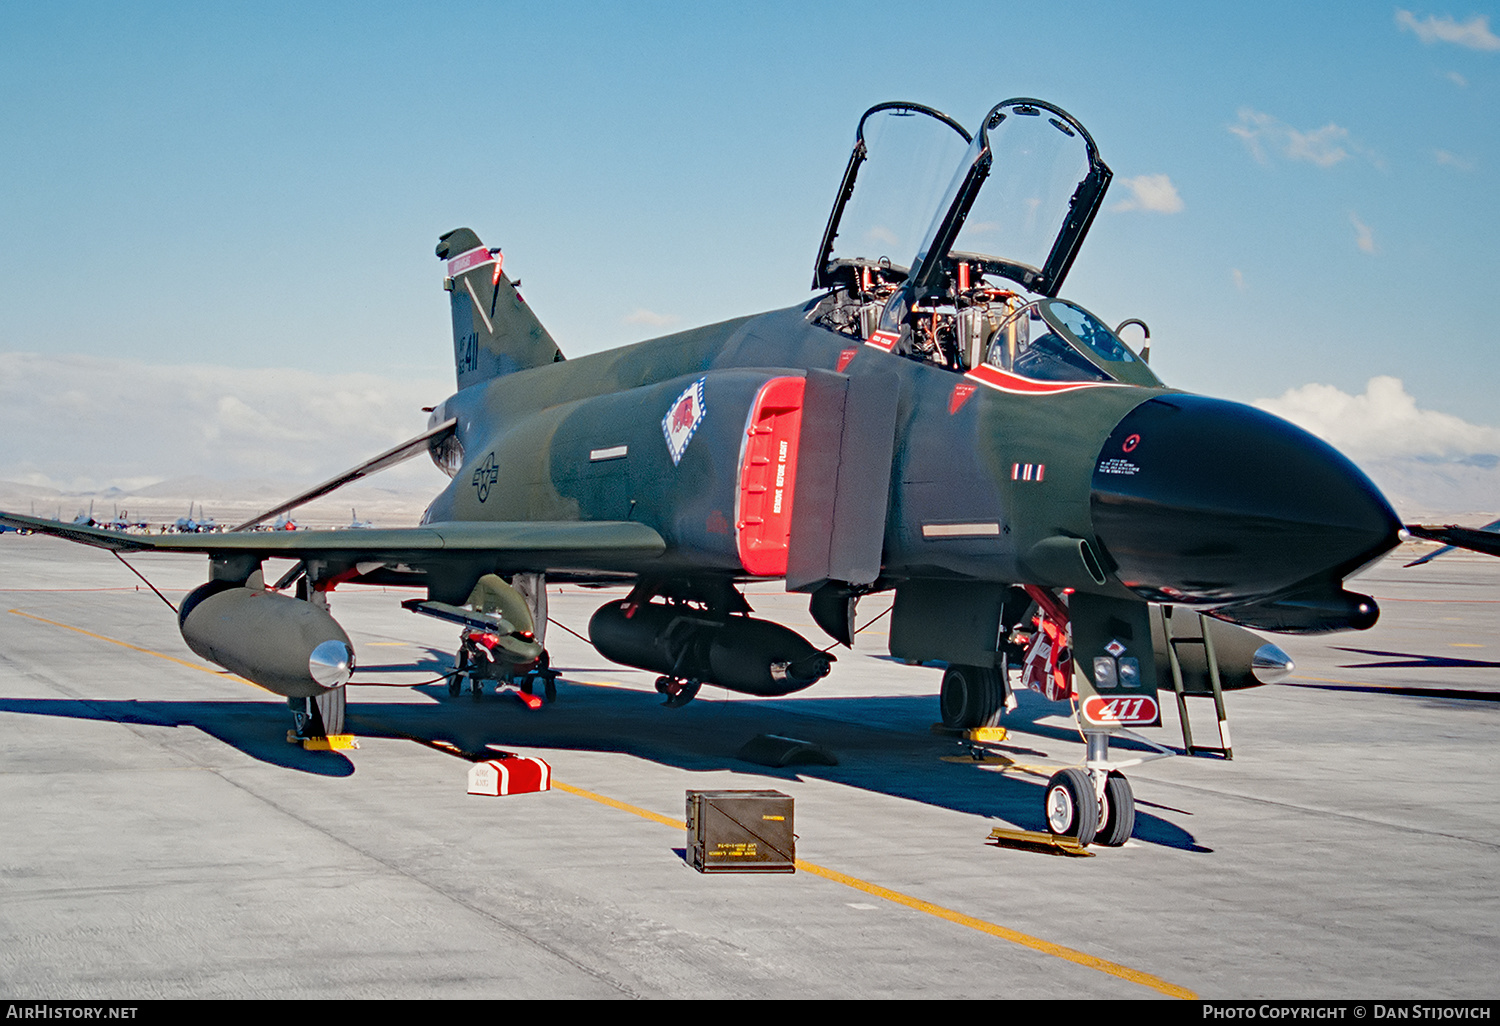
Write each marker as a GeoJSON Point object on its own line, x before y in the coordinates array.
{"type": "Point", "coordinates": [971, 696]}
{"type": "Point", "coordinates": [328, 713]}
{"type": "Point", "coordinates": [1117, 817]}
{"type": "Point", "coordinates": [1070, 805]}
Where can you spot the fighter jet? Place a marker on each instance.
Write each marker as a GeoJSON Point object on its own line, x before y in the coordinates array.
{"type": "Point", "coordinates": [201, 524]}
{"type": "Point", "coordinates": [935, 421]}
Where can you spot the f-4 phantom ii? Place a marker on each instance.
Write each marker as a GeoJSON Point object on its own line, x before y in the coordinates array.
{"type": "Point", "coordinates": [935, 421]}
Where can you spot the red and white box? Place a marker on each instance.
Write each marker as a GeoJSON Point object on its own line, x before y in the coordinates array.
{"type": "Point", "coordinates": [510, 774]}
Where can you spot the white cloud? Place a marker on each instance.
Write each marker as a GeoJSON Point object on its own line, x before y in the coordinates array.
{"type": "Point", "coordinates": [649, 318]}
{"type": "Point", "coordinates": [1473, 34]}
{"type": "Point", "coordinates": [1264, 135]}
{"type": "Point", "coordinates": [1428, 463]}
{"type": "Point", "coordinates": [1364, 238]}
{"type": "Point", "coordinates": [1155, 193]}
{"type": "Point", "coordinates": [1453, 160]}
{"type": "Point", "coordinates": [89, 423]}
{"type": "Point", "coordinates": [1238, 277]}
{"type": "Point", "coordinates": [1457, 79]}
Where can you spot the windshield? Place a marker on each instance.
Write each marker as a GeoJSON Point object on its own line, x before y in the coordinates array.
{"type": "Point", "coordinates": [1054, 340]}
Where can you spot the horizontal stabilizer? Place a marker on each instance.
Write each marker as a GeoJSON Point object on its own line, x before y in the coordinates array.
{"type": "Point", "coordinates": [1484, 539]}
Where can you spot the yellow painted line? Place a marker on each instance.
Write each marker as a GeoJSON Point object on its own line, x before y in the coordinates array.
{"type": "Point", "coordinates": [222, 674]}
{"type": "Point", "coordinates": [1067, 954]}
{"type": "Point", "coordinates": [635, 810]}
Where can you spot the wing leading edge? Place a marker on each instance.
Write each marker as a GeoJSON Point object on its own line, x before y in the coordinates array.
{"type": "Point", "coordinates": [607, 546]}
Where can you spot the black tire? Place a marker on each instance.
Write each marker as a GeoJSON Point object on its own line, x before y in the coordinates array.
{"type": "Point", "coordinates": [1117, 817]}
{"type": "Point", "coordinates": [1069, 805]}
{"type": "Point", "coordinates": [328, 712]}
{"type": "Point", "coordinates": [971, 696]}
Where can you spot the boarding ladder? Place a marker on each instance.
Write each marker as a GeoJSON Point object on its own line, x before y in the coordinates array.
{"type": "Point", "coordinates": [1224, 748]}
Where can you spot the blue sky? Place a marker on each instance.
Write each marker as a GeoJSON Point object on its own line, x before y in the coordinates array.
{"type": "Point", "coordinates": [1304, 194]}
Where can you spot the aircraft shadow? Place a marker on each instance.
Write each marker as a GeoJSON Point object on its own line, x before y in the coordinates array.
{"type": "Point", "coordinates": [256, 728]}
{"type": "Point", "coordinates": [884, 745]}
{"type": "Point", "coordinates": [434, 661]}
{"type": "Point", "coordinates": [1410, 660]}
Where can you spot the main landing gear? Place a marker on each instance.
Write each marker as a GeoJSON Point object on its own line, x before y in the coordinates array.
{"type": "Point", "coordinates": [974, 696]}
{"type": "Point", "coordinates": [321, 716]}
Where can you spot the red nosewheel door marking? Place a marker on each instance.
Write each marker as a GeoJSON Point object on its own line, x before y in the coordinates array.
{"type": "Point", "coordinates": [1124, 710]}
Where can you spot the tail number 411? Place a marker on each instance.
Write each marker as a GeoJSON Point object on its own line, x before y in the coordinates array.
{"type": "Point", "coordinates": [1131, 710]}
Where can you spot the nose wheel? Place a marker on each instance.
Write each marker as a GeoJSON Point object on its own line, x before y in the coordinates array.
{"type": "Point", "coordinates": [1116, 811]}
{"type": "Point", "coordinates": [1070, 806]}
{"type": "Point", "coordinates": [1095, 804]}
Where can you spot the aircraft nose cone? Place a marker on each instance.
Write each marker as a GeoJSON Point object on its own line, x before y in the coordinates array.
{"type": "Point", "coordinates": [1208, 502]}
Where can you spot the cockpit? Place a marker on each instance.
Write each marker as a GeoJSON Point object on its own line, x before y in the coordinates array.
{"type": "Point", "coordinates": [961, 268]}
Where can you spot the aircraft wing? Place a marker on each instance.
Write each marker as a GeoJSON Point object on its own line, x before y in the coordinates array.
{"type": "Point", "coordinates": [441, 548]}
{"type": "Point", "coordinates": [1484, 539]}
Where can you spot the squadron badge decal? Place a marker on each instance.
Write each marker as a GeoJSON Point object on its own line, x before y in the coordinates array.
{"type": "Point", "coordinates": [682, 419]}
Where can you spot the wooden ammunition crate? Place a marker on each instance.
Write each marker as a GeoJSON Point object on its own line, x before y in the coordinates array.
{"type": "Point", "coordinates": [740, 832]}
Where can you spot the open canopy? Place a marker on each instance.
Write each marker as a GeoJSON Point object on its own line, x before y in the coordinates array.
{"type": "Point", "coordinates": [1021, 202]}
{"type": "Point", "coordinates": [904, 156]}
{"type": "Point", "coordinates": [920, 196]}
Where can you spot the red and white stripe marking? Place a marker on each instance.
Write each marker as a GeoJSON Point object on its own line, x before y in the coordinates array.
{"type": "Point", "coordinates": [470, 260]}
{"type": "Point", "coordinates": [1005, 381]}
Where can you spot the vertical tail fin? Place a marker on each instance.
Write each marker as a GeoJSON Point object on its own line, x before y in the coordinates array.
{"type": "Point", "coordinates": [494, 331]}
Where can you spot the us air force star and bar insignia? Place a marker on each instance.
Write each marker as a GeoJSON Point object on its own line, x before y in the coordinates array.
{"type": "Point", "coordinates": [486, 476]}
{"type": "Point", "coordinates": [682, 419]}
